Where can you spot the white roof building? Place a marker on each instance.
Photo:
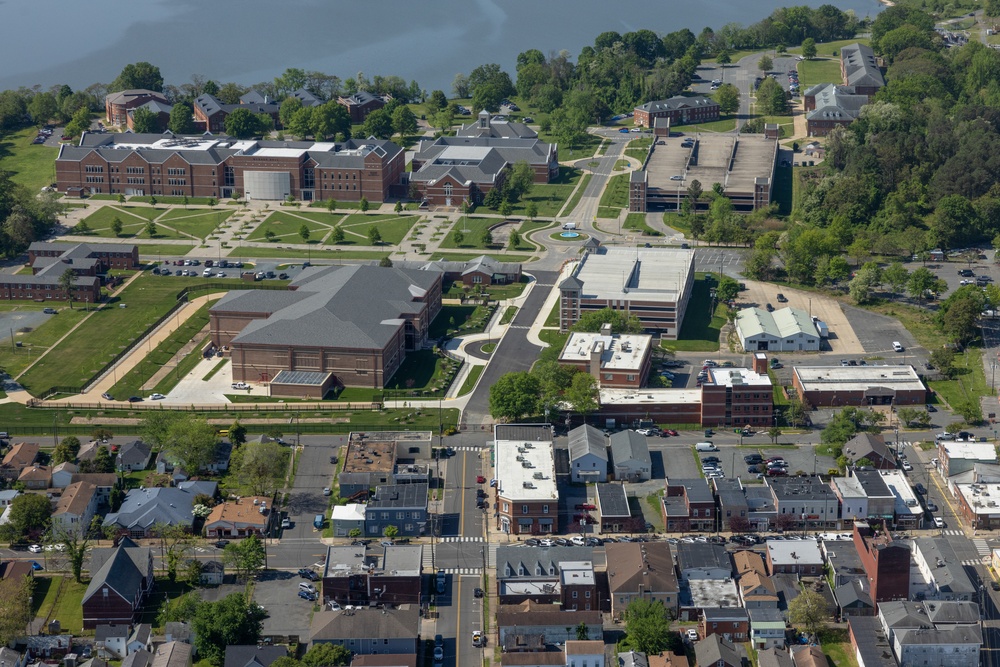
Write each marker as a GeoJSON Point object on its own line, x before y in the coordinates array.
{"type": "Point", "coordinates": [784, 330]}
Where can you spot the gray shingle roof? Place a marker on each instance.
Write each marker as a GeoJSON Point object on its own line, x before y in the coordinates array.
{"type": "Point", "coordinates": [399, 495]}
{"type": "Point", "coordinates": [253, 655]}
{"type": "Point", "coordinates": [143, 508]}
{"type": "Point", "coordinates": [134, 453]}
{"type": "Point", "coordinates": [678, 102]}
{"type": "Point", "coordinates": [612, 500]}
{"type": "Point", "coordinates": [585, 440]}
{"type": "Point", "coordinates": [476, 159]}
{"type": "Point", "coordinates": [123, 571]}
{"type": "Point", "coordinates": [400, 623]}
{"type": "Point", "coordinates": [629, 446]}
{"type": "Point", "coordinates": [860, 66]}
{"type": "Point", "coordinates": [713, 649]}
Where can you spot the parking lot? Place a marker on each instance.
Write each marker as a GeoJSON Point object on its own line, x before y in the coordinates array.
{"type": "Point", "coordinates": [22, 319]}
{"type": "Point", "coordinates": [278, 593]}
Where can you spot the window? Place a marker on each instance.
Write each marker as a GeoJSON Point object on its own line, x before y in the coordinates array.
{"type": "Point", "coordinates": [630, 378]}
{"type": "Point", "coordinates": [545, 509]}
{"type": "Point", "coordinates": [576, 594]}
{"type": "Point", "coordinates": [587, 595]}
{"type": "Point", "coordinates": [524, 509]}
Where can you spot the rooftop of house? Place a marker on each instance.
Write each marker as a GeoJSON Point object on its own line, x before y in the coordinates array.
{"type": "Point", "coordinates": [636, 566]}
{"type": "Point", "coordinates": [576, 573]}
{"type": "Point", "coordinates": [246, 510]}
{"type": "Point", "coordinates": [905, 499]}
{"type": "Point", "coordinates": [620, 352]}
{"type": "Point", "coordinates": [145, 507]}
{"type": "Point", "coordinates": [21, 454]}
{"type": "Point", "coordinates": [706, 593]}
{"type": "Point", "coordinates": [525, 468]}
{"type": "Point", "coordinates": [657, 275]}
{"type": "Point", "coordinates": [857, 378]}
{"type": "Point", "coordinates": [403, 622]}
{"type": "Point", "coordinates": [715, 650]}
{"type": "Point", "coordinates": [800, 488]}
{"type": "Point", "coordinates": [628, 446]}
{"type": "Point", "coordinates": [870, 642]}
{"type": "Point", "coordinates": [253, 655]}
{"type": "Point", "coordinates": [944, 564]}
{"type": "Point", "coordinates": [804, 552]}
{"type": "Point", "coordinates": [172, 654]}
{"type": "Point", "coordinates": [402, 560]}
{"type": "Point", "coordinates": [75, 499]}
{"type": "Point", "coordinates": [514, 561]}
{"type": "Point", "coordinates": [865, 445]}
{"type": "Point", "coordinates": [399, 495]}
{"type": "Point", "coordinates": [612, 500]}
{"type": "Point", "coordinates": [701, 556]}
{"type": "Point", "coordinates": [586, 439]}
{"type": "Point", "coordinates": [345, 561]}
{"type": "Point", "coordinates": [749, 561]}
{"type": "Point", "coordinates": [532, 614]}
{"type": "Point", "coordinates": [861, 484]}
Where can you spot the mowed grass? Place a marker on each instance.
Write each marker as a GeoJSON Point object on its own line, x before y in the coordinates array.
{"type": "Point", "coordinates": [472, 229]}
{"type": "Point", "coordinates": [104, 334]}
{"type": "Point", "coordinates": [198, 223]}
{"type": "Point", "coordinates": [133, 219]}
{"type": "Point", "coordinates": [549, 198]}
{"type": "Point", "coordinates": [393, 228]}
{"type": "Point", "coordinates": [819, 70]}
{"type": "Point", "coordinates": [701, 327]}
{"type": "Point", "coordinates": [722, 125]}
{"type": "Point", "coordinates": [637, 222]}
{"type": "Point", "coordinates": [276, 252]}
{"type": "Point", "coordinates": [577, 195]}
{"type": "Point", "coordinates": [286, 226]}
{"type": "Point", "coordinates": [32, 165]}
{"type": "Point", "coordinates": [832, 49]}
{"type": "Point", "coordinates": [34, 343]}
{"type": "Point", "coordinates": [615, 196]}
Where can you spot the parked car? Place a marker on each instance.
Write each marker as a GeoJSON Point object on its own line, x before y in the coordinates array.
{"type": "Point", "coordinates": [221, 544]}
{"type": "Point", "coordinates": [35, 548]}
{"type": "Point", "coordinates": [134, 399]}
{"type": "Point", "coordinates": [107, 397]}
{"type": "Point", "coordinates": [921, 489]}
{"type": "Point", "coordinates": [585, 506]}
{"type": "Point", "coordinates": [623, 130]}
{"type": "Point", "coordinates": [781, 298]}
{"type": "Point", "coordinates": [938, 522]}
{"type": "Point", "coordinates": [306, 595]}
{"type": "Point", "coordinates": [157, 397]}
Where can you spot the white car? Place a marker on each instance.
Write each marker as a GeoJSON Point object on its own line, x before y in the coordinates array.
{"type": "Point", "coordinates": [906, 466]}
{"type": "Point", "coordinates": [286, 523]}
{"type": "Point", "coordinates": [897, 346]}
{"type": "Point", "coordinates": [547, 542]}
{"type": "Point", "coordinates": [709, 363]}
{"type": "Point", "coordinates": [692, 635]}
{"type": "Point", "coordinates": [157, 397]}
{"type": "Point", "coordinates": [240, 385]}
{"type": "Point", "coordinates": [578, 541]}
{"type": "Point", "coordinates": [220, 274]}
{"type": "Point", "coordinates": [938, 522]}
{"type": "Point", "coordinates": [35, 548]}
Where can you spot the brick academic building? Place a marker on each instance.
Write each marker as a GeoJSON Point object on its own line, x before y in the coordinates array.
{"type": "Point", "coordinates": [223, 167]}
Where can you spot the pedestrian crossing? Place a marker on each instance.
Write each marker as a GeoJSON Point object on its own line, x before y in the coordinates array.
{"type": "Point", "coordinates": [972, 562]}
{"type": "Point", "coordinates": [467, 448]}
{"type": "Point", "coordinates": [463, 570]}
{"type": "Point", "coordinates": [952, 532]}
{"type": "Point", "coordinates": [461, 539]}
{"type": "Point", "coordinates": [982, 548]}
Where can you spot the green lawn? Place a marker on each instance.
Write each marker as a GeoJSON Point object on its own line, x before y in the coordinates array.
{"type": "Point", "coordinates": [508, 315]}
{"type": "Point", "coordinates": [837, 646]}
{"type": "Point", "coordinates": [424, 373]}
{"type": "Point", "coordinates": [454, 319]}
{"type": "Point", "coordinates": [722, 125]}
{"type": "Point", "coordinates": [173, 201]}
{"type": "Point", "coordinates": [286, 226]}
{"type": "Point", "coordinates": [455, 290]}
{"type": "Point", "coordinates": [199, 223]}
{"type": "Point", "coordinates": [820, 70]}
{"type": "Point", "coordinates": [832, 49]}
{"type": "Point", "coordinates": [317, 253]}
{"type": "Point", "coordinates": [575, 199]}
{"type": "Point", "coordinates": [615, 195]}
{"type": "Point", "coordinates": [341, 205]}
{"type": "Point", "coordinates": [392, 227]}
{"type": "Point", "coordinates": [637, 222]}
{"type": "Point", "coordinates": [556, 341]}
{"type": "Point", "coordinates": [133, 219]}
{"type": "Point", "coordinates": [549, 198]}
{"type": "Point", "coordinates": [637, 148]}
{"type": "Point", "coordinates": [552, 320]}
{"type": "Point", "coordinates": [130, 384]}
{"type": "Point", "coordinates": [104, 334]}
{"type": "Point", "coordinates": [466, 256]}
{"type": "Point", "coordinates": [969, 384]}
{"type": "Point", "coordinates": [471, 379]}
{"type": "Point", "coordinates": [32, 165]}
{"type": "Point", "coordinates": [472, 229]}
{"type": "Point", "coordinates": [157, 249]}
{"type": "Point", "coordinates": [33, 343]}
{"type": "Point", "coordinates": [585, 147]}
{"type": "Point", "coordinates": [700, 329]}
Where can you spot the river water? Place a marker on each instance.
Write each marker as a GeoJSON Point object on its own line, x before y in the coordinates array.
{"type": "Point", "coordinates": [49, 42]}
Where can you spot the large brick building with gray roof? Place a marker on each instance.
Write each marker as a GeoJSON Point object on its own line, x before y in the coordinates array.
{"type": "Point", "coordinates": [355, 322]}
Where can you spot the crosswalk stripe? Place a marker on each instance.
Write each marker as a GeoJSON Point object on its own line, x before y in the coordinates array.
{"type": "Point", "coordinates": [463, 570]}
{"type": "Point", "coordinates": [468, 448]}
{"type": "Point", "coordinates": [462, 539]}
{"type": "Point", "coordinates": [953, 532]}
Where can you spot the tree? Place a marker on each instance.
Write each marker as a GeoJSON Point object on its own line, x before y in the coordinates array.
{"type": "Point", "coordinates": [728, 97]}
{"type": "Point", "coordinates": [398, 208]}
{"type": "Point", "coordinates": [331, 205]}
{"type": "Point", "coordinates": [724, 57]}
{"type": "Point", "coordinates": [15, 608]}
{"type": "Point", "coordinates": [514, 395]}
{"type": "Point", "coordinates": [66, 450]}
{"type": "Point", "coordinates": [144, 121]}
{"type": "Point", "coordinates": [364, 205]}
{"type": "Point", "coordinates": [458, 236]}
{"type": "Point", "coordinates": [809, 48]}
{"type": "Point", "coordinates": [531, 210]}
{"type": "Point", "coordinates": [192, 572]}
{"type": "Point", "coordinates": [896, 277]}
{"type": "Point", "coordinates": [460, 86]}
{"type": "Point", "coordinates": [154, 428]}
{"type": "Point", "coordinates": [152, 200]}
{"type": "Point", "coordinates": [506, 208]}
{"type": "Point", "coordinates": [233, 620]}
{"type": "Point", "coordinates": [259, 467]}
{"type": "Point", "coordinates": [245, 557]}
{"type": "Point", "coordinates": [647, 626]}
{"type": "Point", "coordinates": [486, 238]}
{"type": "Point", "coordinates": [385, 262]}
{"type": "Point", "coordinates": [739, 524]}
{"type": "Point", "coordinates": [325, 655]}
{"type": "Point", "coordinates": [337, 236]}
{"type": "Point", "coordinates": [174, 541]}
{"type": "Point", "coordinates": [774, 433]}
{"type": "Point", "coordinates": [243, 124]}
{"type": "Point", "coordinates": [116, 226]}
{"type": "Point", "coordinates": [620, 322]}
{"type": "Point", "coordinates": [286, 661]}
{"type": "Point", "coordinates": [765, 64]}
{"type": "Point", "coordinates": [438, 99]}
{"type": "Point", "coordinates": [289, 107]}
{"type": "Point", "coordinates": [808, 610]}
{"type": "Point", "coordinates": [514, 240]}
{"type": "Point", "coordinates": [304, 232]}
{"type": "Point", "coordinates": [921, 282]}
{"type": "Point", "coordinates": [377, 124]}
{"type": "Point", "coordinates": [82, 227]}
{"type": "Point", "coordinates": [404, 121]}
{"type": "Point", "coordinates": [863, 285]}
{"type": "Point", "coordinates": [29, 516]}
{"type": "Point", "coordinates": [42, 108]}
{"type": "Point", "coordinates": [181, 119]}
{"type": "Point", "coordinates": [583, 393]}
{"type": "Point", "coordinates": [150, 225]}
{"type": "Point", "coordinates": [771, 98]}
{"type": "Point", "coordinates": [694, 190]}
{"type": "Point", "coordinates": [728, 289]}
{"type": "Point", "coordinates": [795, 412]}
{"type": "Point", "coordinates": [102, 461]}
{"type": "Point", "coordinates": [390, 531]}
{"type": "Point", "coordinates": [237, 434]}
{"type": "Point", "coordinates": [374, 236]}
{"type": "Point", "coordinates": [191, 444]}
{"type": "Point", "coordinates": [582, 632]}
{"type": "Point", "coordinates": [138, 75]}
{"type": "Point", "coordinates": [269, 236]}
{"type": "Point", "coordinates": [943, 359]}
{"type": "Point", "coordinates": [66, 280]}
{"type": "Point", "coordinates": [181, 609]}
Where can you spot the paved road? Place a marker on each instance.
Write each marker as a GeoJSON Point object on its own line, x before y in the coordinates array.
{"type": "Point", "coordinates": [513, 353]}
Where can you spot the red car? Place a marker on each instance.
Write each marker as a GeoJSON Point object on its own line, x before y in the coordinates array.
{"type": "Point", "coordinates": [672, 432]}
{"type": "Point", "coordinates": [585, 506]}
{"type": "Point", "coordinates": [480, 479]}
{"type": "Point", "coordinates": [776, 472]}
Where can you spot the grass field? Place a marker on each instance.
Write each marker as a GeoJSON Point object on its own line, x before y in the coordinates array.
{"type": "Point", "coordinates": [32, 165]}
{"type": "Point", "coordinates": [637, 222]}
{"type": "Point", "coordinates": [317, 253]}
{"type": "Point", "coordinates": [472, 229]}
{"type": "Point", "coordinates": [286, 225]}
{"type": "Point", "coordinates": [130, 384]}
{"type": "Point", "coordinates": [550, 197]}
{"type": "Point", "coordinates": [723, 125]}
{"type": "Point", "coordinates": [62, 599]}
{"type": "Point", "coordinates": [151, 249]}
{"type": "Point", "coordinates": [615, 195]}
{"type": "Point", "coordinates": [104, 334]}
{"type": "Point", "coordinates": [637, 148]}
{"type": "Point", "coordinates": [133, 219]}
{"type": "Point", "coordinates": [575, 199]}
{"type": "Point", "coordinates": [701, 328]}
{"type": "Point", "coordinates": [820, 70]}
{"type": "Point", "coordinates": [196, 222]}
{"type": "Point", "coordinates": [832, 49]}
{"type": "Point", "coordinates": [969, 383]}
{"type": "Point", "coordinates": [471, 379]}
{"type": "Point", "coordinates": [33, 343]}
{"type": "Point", "coordinates": [392, 227]}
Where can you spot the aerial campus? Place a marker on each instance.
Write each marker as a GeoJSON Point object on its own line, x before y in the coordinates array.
{"type": "Point", "coordinates": [680, 352]}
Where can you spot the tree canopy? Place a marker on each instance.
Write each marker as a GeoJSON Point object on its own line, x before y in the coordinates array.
{"type": "Point", "coordinates": [620, 321]}
{"type": "Point", "coordinates": [233, 620]}
{"type": "Point", "coordinates": [513, 396]}
{"type": "Point", "coordinates": [138, 75]}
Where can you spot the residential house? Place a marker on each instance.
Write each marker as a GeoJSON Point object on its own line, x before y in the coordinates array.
{"type": "Point", "coordinates": [716, 651]}
{"type": "Point", "coordinates": [368, 630]}
{"type": "Point", "coordinates": [934, 633]}
{"type": "Point", "coordinates": [11, 658]}
{"type": "Point", "coordinates": [401, 505]}
{"type": "Point", "coordinates": [110, 641]}
{"type": "Point", "coordinates": [133, 456]}
{"type": "Point", "coordinates": [545, 575]}
{"type": "Point", "coordinates": [360, 104]}
{"type": "Point", "coordinates": [774, 657]}
{"type": "Point", "coordinates": [588, 455]}
{"type": "Point", "coordinates": [732, 623]}
{"type": "Point", "coordinates": [213, 573]}
{"type": "Point", "coordinates": [145, 508]}
{"type": "Point", "coordinates": [253, 655]}
{"type": "Point", "coordinates": [385, 660]}
{"type": "Point", "coordinates": [886, 562]}
{"type": "Point", "coordinates": [634, 658]}
{"type": "Point", "coordinates": [348, 518]}
{"type": "Point", "coordinates": [140, 658]}
{"type": "Point", "coordinates": [249, 515]}
{"type": "Point", "coordinates": [172, 654]}
{"type": "Point", "coordinates": [809, 656]}
{"type": "Point", "coordinates": [853, 599]}
{"type": "Point", "coordinates": [35, 477]}
{"type": "Point", "coordinates": [805, 503]}
{"type": "Point", "coordinates": [120, 579]}
{"type": "Point", "coordinates": [527, 502]}
{"type": "Point", "coordinates": [141, 638]}
{"type": "Point", "coordinates": [584, 653]}
{"type": "Point", "coordinates": [746, 562]}
{"type": "Point", "coordinates": [641, 570]}
{"type": "Point", "coordinates": [706, 579]}
{"type": "Point", "coordinates": [18, 457]}
{"type": "Point", "coordinates": [630, 455]}
{"type": "Point", "coordinates": [12, 571]}
{"type": "Point", "coordinates": [871, 647]}
{"type": "Point", "coordinates": [767, 627]}
{"type": "Point", "coordinates": [688, 505]}
{"type": "Point", "coordinates": [62, 474]}
{"type": "Point", "coordinates": [554, 626]}
{"type": "Point", "coordinates": [757, 591]}
{"type": "Point", "coordinates": [352, 577]}
{"type": "Point", "coordinates": [103, 483]}
{"type": "Point", "coordinates": [871, 447]}
{"type": "Point", "coordinates": [219, 462]}
{"type": "Point", "coordinates": [178, 631]}
{"type": "Point", "coordinates": [734, 510]}
{"type": "Point", "coordinates": [664, 659]}
{"type": "Point", "coordinates": [863, 495]}
{"type": "Point", "coordinates": [76, 508]}
{"type": "Point", "coordinates": [803, 558]}
{"type": "Point", "coordinates": [7, 497]}
{"type": "Point", "coordinates": [703, 561]}
{"type": "Point", "coordinates": [939, 565]}
{"type": "Point", "coordinates": [613, 508]}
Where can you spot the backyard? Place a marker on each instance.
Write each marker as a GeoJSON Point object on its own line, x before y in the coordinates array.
{"type": "Point", "coordinates": [701, 327]}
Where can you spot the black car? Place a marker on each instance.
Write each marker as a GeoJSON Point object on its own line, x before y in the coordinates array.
{"type": "Point", "coordinates": [334, 459]}
{"type": "Point", "coordinates": [478, 593]}
{"type": "Point", "coordinates": [532, 542]}
{"type": "Point", "coordinates": [710, 459]}
{"type": "Point", "coordinates": [781, 298]}
{"type": "Point", "coordinates": [754, 469]}
{"type": "Point", "coordinates": [134, 399]}
{"type": "Point", "coordinates": [995, 585]}
{"type": "Point", "coordinates": [306, 573]}
{"type": "Point", "coordinates": [769, 308]}
{"type": "Point", "coordinates": [221, 544]}
{"type": "Point", "coordinates": [931, 408]}
{"type": "Point", "coordinates": [753, 458]}
{"type": "Point", "coordinates": [919, 488]}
